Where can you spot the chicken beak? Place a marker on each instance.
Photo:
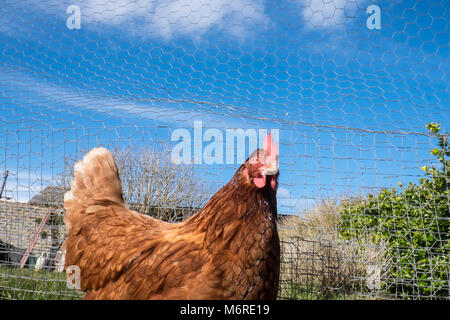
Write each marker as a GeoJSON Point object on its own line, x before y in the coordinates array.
{"type": "Point", "coordinates": [271, 169]}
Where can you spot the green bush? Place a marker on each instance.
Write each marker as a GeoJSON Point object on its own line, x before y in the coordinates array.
{"type": "Point", "coordinates": [415, 223]}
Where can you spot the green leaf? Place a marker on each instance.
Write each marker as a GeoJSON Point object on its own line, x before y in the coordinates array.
{"type": "Point", "coordinates": [435, 151]}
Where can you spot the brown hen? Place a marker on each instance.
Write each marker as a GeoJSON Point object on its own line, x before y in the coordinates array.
{"type": "Point", "coordinates": [227, 250]}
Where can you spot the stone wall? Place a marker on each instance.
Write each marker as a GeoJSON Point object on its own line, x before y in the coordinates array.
{"type": "Point", "coordinates": [20, 221]}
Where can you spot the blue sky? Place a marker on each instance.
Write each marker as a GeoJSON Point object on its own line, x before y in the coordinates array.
{"type": "Point", "coordinates": [310, 68]}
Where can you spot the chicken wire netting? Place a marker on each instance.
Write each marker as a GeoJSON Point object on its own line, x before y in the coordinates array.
{"type": "Point", "coordinates": [356, 93]}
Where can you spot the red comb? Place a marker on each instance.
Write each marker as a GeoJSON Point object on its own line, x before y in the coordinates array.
{"type": "Point", "coordinates": [270, 147]}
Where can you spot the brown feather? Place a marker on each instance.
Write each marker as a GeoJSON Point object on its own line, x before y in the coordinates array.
{"type": "Point", "coordinates": [227, 250]}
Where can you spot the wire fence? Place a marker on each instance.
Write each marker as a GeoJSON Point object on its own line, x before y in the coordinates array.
{"type": "Point", "coordinates": [363, 198]}
{"type": "Point", "coordinates": [328, 252]}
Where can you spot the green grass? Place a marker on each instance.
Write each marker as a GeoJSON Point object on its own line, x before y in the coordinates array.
{"type": "Point", "coordinates": [311, 292]}
{"type": "Point", "coordinates": [27, 284]}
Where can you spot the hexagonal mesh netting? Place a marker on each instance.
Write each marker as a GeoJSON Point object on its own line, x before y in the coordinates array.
{"type": "Point", "coordinates": [355, 91]}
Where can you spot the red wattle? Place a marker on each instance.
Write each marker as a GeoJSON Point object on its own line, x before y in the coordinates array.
{"type": "Point", "coordinates": [260, 181]}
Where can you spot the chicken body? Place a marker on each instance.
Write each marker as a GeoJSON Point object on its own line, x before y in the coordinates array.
{"type": "Point", "coordinates": [227, 250]}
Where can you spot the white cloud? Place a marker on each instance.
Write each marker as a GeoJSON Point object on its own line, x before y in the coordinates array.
{"type": "Point", "coordinates": [172, 18]}
{"type": "Point", "coordinates": [330, 13]}
{"type": "Point", "coordinates": [283, 192]}
{"type": "Point", "coordinates": [293, 203]}
{"type": "Point", "coordinates": [165, 19]}
{"type": "Point", "coordinates": [286, 203]}
{"type": "Point", "coordinates": [169, 111]}
{"type": "Point", "coordinates": [22, 185]}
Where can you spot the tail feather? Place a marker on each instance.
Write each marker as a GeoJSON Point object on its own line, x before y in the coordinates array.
{"type": "Point", "coordinates": [96, 180]}
{"type": "Point", "coordinates": [103, 237]}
